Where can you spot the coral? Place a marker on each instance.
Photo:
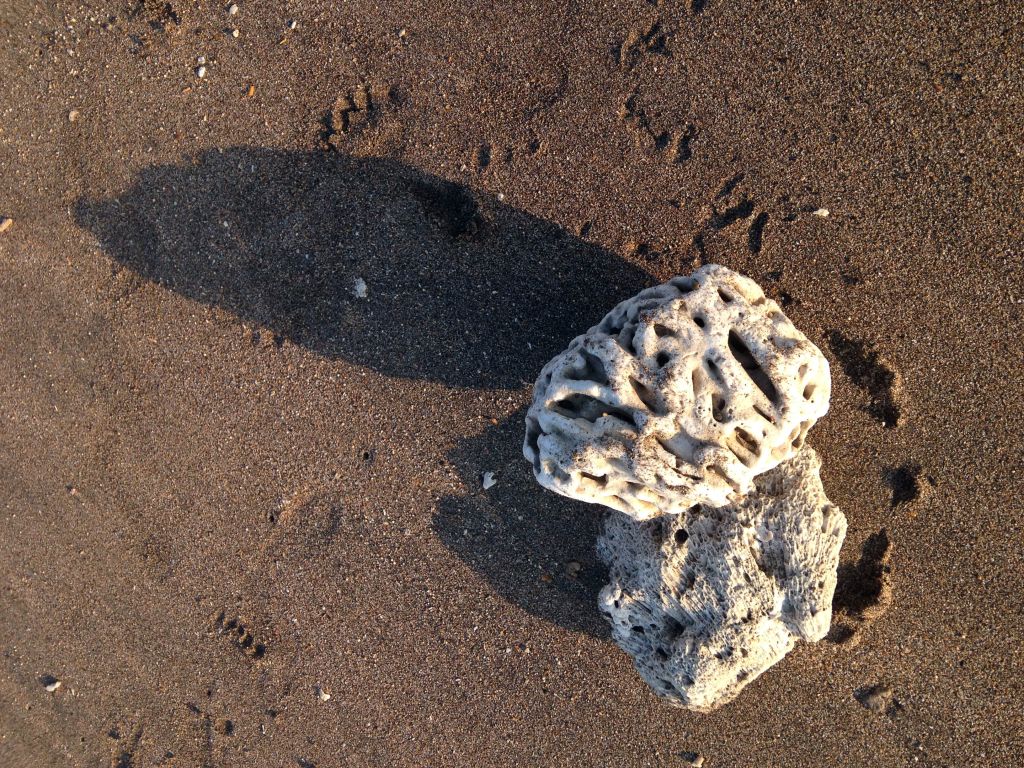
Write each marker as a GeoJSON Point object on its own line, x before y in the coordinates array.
{"type": "Point", "coordinates": [679, 396]}
{"type": "Point", "coordinates": [685, 410]}
{"type": "Point", "coordinates": [706, 601]}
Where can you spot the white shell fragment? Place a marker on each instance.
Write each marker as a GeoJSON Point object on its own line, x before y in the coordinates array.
{"type": "Point", "coordinates": [706, 601]}
{"type": "Point", "coordinates": [681, 395]}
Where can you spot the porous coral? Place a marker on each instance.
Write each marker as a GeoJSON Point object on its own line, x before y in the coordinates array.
{"type": "Point", "coordinates": [706, 601]}
{"type": "Point", "coordinates": [685, 410]}
{"type": "Point", "coordinates": [679, 396]}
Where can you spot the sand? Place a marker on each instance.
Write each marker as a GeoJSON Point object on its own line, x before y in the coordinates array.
{"type": "Point", "coordinates": [243, 519]}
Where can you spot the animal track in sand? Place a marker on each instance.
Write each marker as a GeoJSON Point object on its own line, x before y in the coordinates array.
{"type": "Point", "coordinates": [864, 589]}
{"type": "Point", "coordinates": [361, 121]}
{"type": "Point", "coordinates": [238, 634]}
{"type": "Point", "coordinates": [306, 521]}
{"type": "Point", "coordinates": [482, 158]}
{"type": "Point", "coordinates": [730, 205]}
{"type": "Point", "coordinates": [907, 484]}
{"type": "Point", "coordinates": [672, 144]}
{"type": "Point", "coordinates": [351, 113]}
{"type": "Point", "coordinates": [733, 204]}
{"type": "Point", "coordinates": [641, 42]}
{"type": "Point", "coordinates": [159, 15]}
{"type": "Point", "coordinates": [872, 374]}
{"type": "Point", "coordinates": [452, 206]}
{"type": "Point", "coordinates": [124, 747]}
{"type": "Point", "coordinates": [693, 6]}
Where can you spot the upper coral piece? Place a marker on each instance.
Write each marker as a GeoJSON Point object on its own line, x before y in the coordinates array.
{"type": "Point", "coordinates": [679, 396]}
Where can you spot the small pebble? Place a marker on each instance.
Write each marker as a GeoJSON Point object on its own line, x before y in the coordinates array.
{"type": "Point", "coordinates": [200, 59]}
{"type": "Point", "coordinates": [232, 9]}
{"type": "Point", "coordinates": [359, 288]}
{"type": "Point", "coordinates": [50, 683]}
{"type": "Point", "coordinates": [823, 212]}
{"type": "Point", "coordinates": [6, 223]}
{"type": "Point", "coordinates": [201, 72]}
{"type": "Point", "coordinates": [293, 24]}
{"type": "Point", "coordinates": [573, 568]}
{"type": "Point", "coordinates": [322, 694]}
{"type": "Point", "coordinates": [489, 481]}
{"type": "Point", "coordinates": [235, 33]}
{"type": "Point", "coordinates": [72, 115]}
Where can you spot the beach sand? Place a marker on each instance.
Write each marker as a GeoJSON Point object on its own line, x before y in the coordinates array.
{"type": "Point", "coordinates": [263, 331]}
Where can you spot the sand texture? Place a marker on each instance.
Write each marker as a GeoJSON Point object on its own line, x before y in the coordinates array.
{"type": "Point", "coordinates": [264, 331]}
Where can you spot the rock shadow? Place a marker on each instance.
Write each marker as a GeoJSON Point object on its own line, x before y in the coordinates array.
{"type": "Point", "coordinates": [534, 547]}
{"type": "Point", "coordinates": [460, 288]}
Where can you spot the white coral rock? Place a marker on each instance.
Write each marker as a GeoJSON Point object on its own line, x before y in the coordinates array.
{"type": "Point", "coordinates": [706, 601]}
{"type": "Point", "coordinates": [685, 410]}
{"type": "Point", "coordinates": [681, 395]}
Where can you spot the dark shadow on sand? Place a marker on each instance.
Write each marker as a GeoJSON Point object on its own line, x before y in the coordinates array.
{"type": "Point", "coordinates": [534, 547]}
{"type": "Point", "coordinates": [461, 289]}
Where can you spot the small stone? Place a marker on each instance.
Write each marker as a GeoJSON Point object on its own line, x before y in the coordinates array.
{"type": "Point", "coordinates": [573, 568]}
{"type": "Point", "coordinates": [72, 115]}
{"type": "Point", "coordinates": [232, 9]}
{"type": "Point", "coordinates": [359, 288]}
{"type": "Point", "coordinates": [322, 694]}
{"type": "Point", "coordinates": [235, 33]}
{"type": "Point", "coordinates": [693, 759]}
{"type": "Point", "coordinates": [49, 682]}
{"type": "Point", "coordinates": [200, 59]}
{"type": "Point", "coordinates": [200, 71]}
{"type": "Point", "coordinates": [823, 212]}
{"type": "Point", "coordinates": [6, 223]}
{"type": "Point", "coordinates": [251, 92]}
{"type": "Point", "coordinates": [293, 24]}
{"type": "Point", "coordinates": [489, 481]}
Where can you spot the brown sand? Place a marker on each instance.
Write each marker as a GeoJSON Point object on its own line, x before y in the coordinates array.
{"type": "Point", "coordinates": [230, 485]}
